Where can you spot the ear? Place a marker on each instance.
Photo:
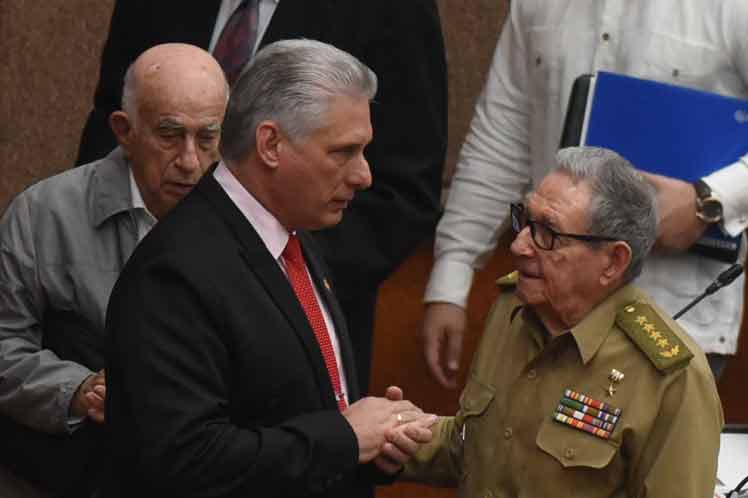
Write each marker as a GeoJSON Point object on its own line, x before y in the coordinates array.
{"type": "Point", "coordinates": [619, 259]}
{"type": "Point", "coordinates": [269, 140]}
{"type": "Point", "coordinates": [120, 123]}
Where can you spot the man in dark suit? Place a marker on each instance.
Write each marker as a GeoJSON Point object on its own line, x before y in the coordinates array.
{"type": "Point", "coordinates": [230, 370]}
{"type": "Point", "coordinates": [402, 43]}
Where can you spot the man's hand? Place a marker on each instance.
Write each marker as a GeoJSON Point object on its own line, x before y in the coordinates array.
{"type": "Point", "coordinates": [402, 441]}
{"type": "Point", "coordinates": [678, 226]}
{"type": "Point", "coordinates": [88, 400]}
{"type": "Point", "coordinates": [372, 417]}
{"type": "Point", "coordinates": [443, 331]}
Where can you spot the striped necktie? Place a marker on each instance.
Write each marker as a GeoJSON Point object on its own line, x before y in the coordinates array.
{"type": "Point", "coordinates": [234, 47]}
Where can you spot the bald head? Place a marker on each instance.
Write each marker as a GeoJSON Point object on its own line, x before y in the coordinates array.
{"type": "Point", "coordinates": [174, 70]}
{"type": "Point", "coordinates": [173, 104]}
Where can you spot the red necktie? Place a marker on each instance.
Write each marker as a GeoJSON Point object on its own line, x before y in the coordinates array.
{"type": "Point", "coordinates": [302, 286]}
{"type": "Point", "coordinates": [234, 47]}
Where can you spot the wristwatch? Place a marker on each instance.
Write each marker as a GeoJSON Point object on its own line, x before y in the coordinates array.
{"type": "Point", "coordinates": [708, 207]}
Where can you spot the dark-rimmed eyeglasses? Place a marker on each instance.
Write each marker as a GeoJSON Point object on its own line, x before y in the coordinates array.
{"type": "Point", "coordinates": [544, 236]}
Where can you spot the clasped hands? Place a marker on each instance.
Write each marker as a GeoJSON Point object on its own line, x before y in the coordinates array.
{"type": "Point", "coordinates": [88, 400]}
{"type": "Point", "coordinates": [389, 430]}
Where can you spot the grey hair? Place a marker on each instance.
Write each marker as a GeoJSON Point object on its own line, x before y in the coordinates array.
{"type": "Point", "coordinates": [291, 82]}
{"type": "Point", "coordinates": [623, 204]}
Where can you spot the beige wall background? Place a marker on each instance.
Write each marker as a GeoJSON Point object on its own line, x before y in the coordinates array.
{"type": "Point", "coordinates": [49, 57]}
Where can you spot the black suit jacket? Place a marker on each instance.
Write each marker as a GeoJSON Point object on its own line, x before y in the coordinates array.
{"type": "Point", "coordinates": [216, 384]}
{"type": "Point", "coordinates": [402, 42]}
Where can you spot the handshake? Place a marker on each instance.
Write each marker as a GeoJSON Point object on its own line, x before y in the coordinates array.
{"type": "Point", "coordinates": [389, 430]}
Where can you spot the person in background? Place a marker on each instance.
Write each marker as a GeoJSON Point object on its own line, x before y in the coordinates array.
{"type": "Point", "coordinates": [516, 129]}
{"type": "Point", "coordinates": [402, 43]}
{"type": "Point", "coordinates": [64, 241]}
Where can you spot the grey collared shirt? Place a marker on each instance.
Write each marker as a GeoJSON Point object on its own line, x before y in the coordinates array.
{"type": "Point", "coordinates": [63, 242]}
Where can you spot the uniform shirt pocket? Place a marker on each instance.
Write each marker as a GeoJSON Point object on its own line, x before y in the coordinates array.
{"type": "Point", "coordinates": [475, 398]}
{"type": "Point", "coordinates": [575, 448]}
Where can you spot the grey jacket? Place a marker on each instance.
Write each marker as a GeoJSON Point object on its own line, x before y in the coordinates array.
{"type": "Point", "coordinates": [63, 242]}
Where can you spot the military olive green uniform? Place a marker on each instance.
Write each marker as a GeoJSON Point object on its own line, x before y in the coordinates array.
{"type": "Point", "coordinates": [504, 441]}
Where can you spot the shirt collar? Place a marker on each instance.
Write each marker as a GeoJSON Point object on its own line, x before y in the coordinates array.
{"type": "Point", "coordinates": [110, 192]}
{"type": "Point", "coordinates": [137, 198]}
{"type": "Point", "coordinates": [591, 332]}
{"type": "Point", "coordinates": [273, 234]}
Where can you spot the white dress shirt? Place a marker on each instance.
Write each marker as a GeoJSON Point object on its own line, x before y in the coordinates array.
{"type": "Point", "coordinates": [274, 236]}
{"type": "Point", "coordinates": [518, 120]}
{"type": "Point", "coordinates": [144, 220]}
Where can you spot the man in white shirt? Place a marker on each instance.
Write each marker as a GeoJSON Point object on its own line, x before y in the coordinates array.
{"type": "Point", "coordinates": [517, 127]}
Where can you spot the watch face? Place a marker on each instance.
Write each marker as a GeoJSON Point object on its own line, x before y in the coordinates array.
{"type": "Point", "coordinates": [711, 208]}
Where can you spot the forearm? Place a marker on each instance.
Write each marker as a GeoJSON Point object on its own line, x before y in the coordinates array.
{"type": "Point", "coordinates": [730, 186]}
{"type": "Point", "coordinates": [438, 462]}
{"type": "Point", "coordinates": [37, 387]}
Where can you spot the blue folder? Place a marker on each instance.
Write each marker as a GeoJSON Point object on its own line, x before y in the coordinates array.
{"type": "Point", "coordinates": [661, 128]}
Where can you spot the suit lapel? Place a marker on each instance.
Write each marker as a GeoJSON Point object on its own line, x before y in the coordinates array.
{"type": "Point", "coordinates": [266, 268]}
{"type": "Point", "coordinates": [322, 282]}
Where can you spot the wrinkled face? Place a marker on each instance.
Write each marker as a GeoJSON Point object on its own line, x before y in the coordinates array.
{"type": "Point", "coordinates": [319, 174]}
{"type": "Point", "coordinates": [559, 282]}
{"type": "Point", "coordinates": [171, 143]}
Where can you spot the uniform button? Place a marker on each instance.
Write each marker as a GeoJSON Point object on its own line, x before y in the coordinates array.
{"type": "Point", "coordinates": [532, 374]}
{"type": "Point", "coordinates": [722, 339]}
{"type": "Point", "coordinates": [676, 73]}
{"type": "Point", "coordinates": [606, 36]}
{"type": "Point", "coordinates": [569, 453]}
{"type": "Point", "coordinates": [538, 60]}
{"type": "Point", "coordinates": [508, 433]}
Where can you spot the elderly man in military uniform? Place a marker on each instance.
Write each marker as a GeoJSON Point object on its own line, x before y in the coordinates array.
{"type": "Point", "coordinates": [581, 386]}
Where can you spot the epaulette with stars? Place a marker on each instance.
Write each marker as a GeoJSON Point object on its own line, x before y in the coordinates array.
{"type": "Point", "coordinates": [653, 336]}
